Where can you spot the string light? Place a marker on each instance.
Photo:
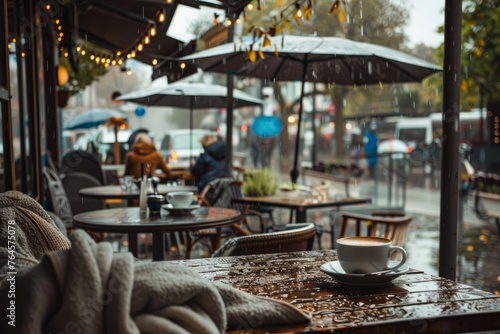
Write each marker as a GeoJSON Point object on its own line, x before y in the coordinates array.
{"type": "Point", "coordinates": [146, 39]}
{"type": "Point", "coordinates": [155, 61]}
{"type": "Point", "coordinates": [129, 72]}
{"type": "Point", "coordinates": [140, 47]}
{"type": "Point", "coordinates": [161, 17]}
{"type": "Point", "coordinates": [152, 31]}
{"type": "Point", "coordinates": [182, 66]}
{"type": "Point", "coordinates": [229, 22]}
{"type": "Point", "coordinates": [250, 6]}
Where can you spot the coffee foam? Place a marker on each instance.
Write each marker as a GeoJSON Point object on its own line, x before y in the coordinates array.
{"type": "Point", "coordinates": [363, 241]}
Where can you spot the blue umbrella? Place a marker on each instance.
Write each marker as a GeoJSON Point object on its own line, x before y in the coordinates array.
{"type": "Point", "coordinates": [93, 118]}
{"type": "Point", "coordinates": [266, 126]}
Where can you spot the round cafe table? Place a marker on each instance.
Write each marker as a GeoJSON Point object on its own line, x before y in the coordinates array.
{"type": "Point", "coordinates": [116, 192]}
{"type": "Point", "coordinates": [128, 220]}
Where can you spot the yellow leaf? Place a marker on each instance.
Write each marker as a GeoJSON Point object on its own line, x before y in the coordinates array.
{"type": "Point", "coordinates": [286, 23]}
{"type": "Point", "coordinates": [267, 41]}
{"type": "Point", "coordinates": [297, 19]}
{"type": "Point", "coordinates": [341, 17]}
{"type": "Point", "coordinates": [252, 56]}
{"type": "Point", "coordinates": [276, 50]}
{"type": "Point", "coordinates": [261, 54]}
{"type": "Point", "coordinates": [381, 85]}
{"type": "Point", "coordinates": [335, 7]}
{"type": "Point", "coordinates": [278, 30]}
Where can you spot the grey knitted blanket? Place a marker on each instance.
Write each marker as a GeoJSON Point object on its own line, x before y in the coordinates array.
{"type": "Point", "coordinates": [26, 232]}
{"type": "Point", "coordinates": [90, 289]}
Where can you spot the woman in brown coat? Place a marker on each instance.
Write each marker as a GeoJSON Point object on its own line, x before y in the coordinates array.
{"type": "Point", "coordinates": [144, 153]}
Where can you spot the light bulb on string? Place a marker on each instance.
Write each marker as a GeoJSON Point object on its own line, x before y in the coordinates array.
{"type": "Point", "coordinates": [152, 31]}
{"type": "Point", "coordinates": [146, 39]}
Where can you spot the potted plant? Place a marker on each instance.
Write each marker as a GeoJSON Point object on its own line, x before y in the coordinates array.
{"type": "Point", "coordinates": [259, 182]}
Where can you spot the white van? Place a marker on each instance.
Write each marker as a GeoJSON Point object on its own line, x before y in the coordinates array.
{"type": "Point", "coordinates": [418, 130]}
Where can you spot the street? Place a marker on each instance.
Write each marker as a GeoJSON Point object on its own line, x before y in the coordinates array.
{"type": "Point", "coordinates": [478, 262]}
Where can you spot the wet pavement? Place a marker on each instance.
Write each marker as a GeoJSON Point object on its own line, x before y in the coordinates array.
{"type": "Point", "coordinates": [478, 256]}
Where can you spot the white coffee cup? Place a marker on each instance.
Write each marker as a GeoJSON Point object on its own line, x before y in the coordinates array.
{"type": "Point", "coordinates": [365, 255]}
{"type": "Point", "coordinates": [180, 199]}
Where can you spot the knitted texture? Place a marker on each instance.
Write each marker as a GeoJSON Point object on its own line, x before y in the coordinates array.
{"type": "Point", "coordinates": [26, 232]}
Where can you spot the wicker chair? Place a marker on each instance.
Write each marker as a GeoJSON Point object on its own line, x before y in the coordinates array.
{"type": "Point", "coordinates": [294, 238]}
{"type": "Point", "coordinates": [387, 224]}
{"type": "Point", "coordinates": [219, 193]}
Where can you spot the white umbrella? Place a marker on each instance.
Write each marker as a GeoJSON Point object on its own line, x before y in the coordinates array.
{"type": "Point", "coordinates": [191, 96]}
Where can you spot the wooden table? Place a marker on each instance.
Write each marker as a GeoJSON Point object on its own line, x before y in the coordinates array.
{"type": "Point", "coordinates": [300, 203]}
{"type": "Point", "coordinates": [127, 220]}
{"type": "Point", "coordinates": [413, 303]}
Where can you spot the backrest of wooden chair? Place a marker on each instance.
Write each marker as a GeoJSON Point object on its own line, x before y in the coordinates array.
{"type": "Point", "coordinates": [221, 192]}
{"type": "Point", "coordinates": [392, 225]}
{"type": "Point", "coordinates": [295, 238]}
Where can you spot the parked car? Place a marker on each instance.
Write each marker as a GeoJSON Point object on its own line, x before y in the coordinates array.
{"type": "Point", "coordinates": [175, 145]}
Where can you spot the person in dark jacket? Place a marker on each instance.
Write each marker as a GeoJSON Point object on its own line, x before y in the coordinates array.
{"type": "Point", "coordinates": [211, 164]}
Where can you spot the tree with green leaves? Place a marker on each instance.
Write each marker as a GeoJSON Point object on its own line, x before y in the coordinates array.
{"type": "Point", "coordinates": [375, 21]}
{"type": "Point", "coordinates": [480, 53]}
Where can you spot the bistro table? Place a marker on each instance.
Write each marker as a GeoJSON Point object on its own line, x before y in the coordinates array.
{"type": "Point", "coordinates": [116, 192]}
{"type": "Point", "coordinates": [128, 220]}
{"type": "Point", "coordinates": [415, 302]}
{"type": "Point", "coordinates": [300, 203]}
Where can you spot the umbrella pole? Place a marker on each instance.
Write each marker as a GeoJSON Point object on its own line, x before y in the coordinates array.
{"type": "Point", "coordinates": [190, 129]}
{"type": "Point", "coordinates": [294, 173]}
{"type": "Point", "coordinates": [450, 156]}
{"type": "Point", "coordinates": [117, 146]}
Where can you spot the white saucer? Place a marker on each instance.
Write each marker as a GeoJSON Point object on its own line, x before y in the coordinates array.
{"type": "Point", "coordinates": [335, 270]}
{"type": "Point", "coordinates": [179, 211]}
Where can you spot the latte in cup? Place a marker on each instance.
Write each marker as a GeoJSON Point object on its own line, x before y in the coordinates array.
{"type": "Point", "coordinates": [365, 255]}
{"type": "Point", "coordinates": [180, 199]}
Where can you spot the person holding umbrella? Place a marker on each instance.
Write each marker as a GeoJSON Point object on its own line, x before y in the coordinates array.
{"type": "Point", "coordinates": [145, 153]}
{"type": "Point", "coordinates": [211, 164]}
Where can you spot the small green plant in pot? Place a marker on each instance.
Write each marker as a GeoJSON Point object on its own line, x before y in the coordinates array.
{"type": "Point", "coordinates": [259, 182]}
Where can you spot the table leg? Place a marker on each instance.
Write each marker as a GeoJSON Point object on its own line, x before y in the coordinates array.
{"type": "Point", "coordinates": [300, 215]}
{"type": "Point", "coordinates": [158, 244]}
{"type": "Point", "coordinates": [133, 245]}
{"type": "Point", "coordinates": [218, 238]}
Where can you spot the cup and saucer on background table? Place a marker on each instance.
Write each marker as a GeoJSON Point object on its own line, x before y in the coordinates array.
{"type": "Point", "coordinates": [180, 203]}
{"type": "Point", "coordinates": [366, 261]}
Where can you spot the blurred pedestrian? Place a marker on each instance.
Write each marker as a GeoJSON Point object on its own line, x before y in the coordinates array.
{"type": "Point", "coordinates": [370, 141]}
{"type": "Point", "coordinates": [144, 153]}
{"type": "Point", "coordinates": [211, 164]}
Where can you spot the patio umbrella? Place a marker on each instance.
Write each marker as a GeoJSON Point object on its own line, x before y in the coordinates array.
{"type": "Point", "coordinates": [92, 118]}
{"type": "Point", "coordinates": [191, 96]}
{"type": "Point", "coordinates": [316, 59]}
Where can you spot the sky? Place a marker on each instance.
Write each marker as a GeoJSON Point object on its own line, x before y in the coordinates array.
{"type": "Point", "coordinates": [425, 17]}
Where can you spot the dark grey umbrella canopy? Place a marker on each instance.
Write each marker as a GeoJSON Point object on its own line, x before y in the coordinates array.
{"type": "Point", "coordinates": [326, 59]}
{"type": "Point", "coordinates": [190, 95]}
